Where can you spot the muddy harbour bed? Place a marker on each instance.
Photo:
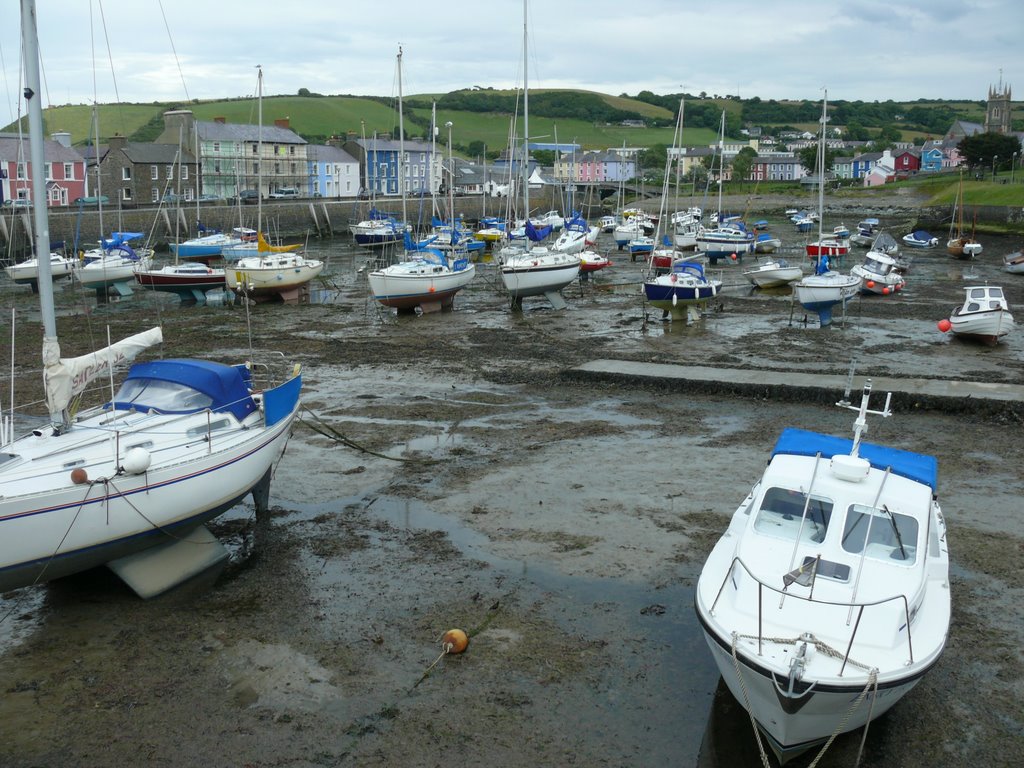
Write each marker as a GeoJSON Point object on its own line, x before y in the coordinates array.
{"type": "Point", "coordinates": [469, 478]}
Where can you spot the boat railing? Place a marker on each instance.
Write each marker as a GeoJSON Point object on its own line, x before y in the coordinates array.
{"type": "Point", "coordinates": [785, 594]}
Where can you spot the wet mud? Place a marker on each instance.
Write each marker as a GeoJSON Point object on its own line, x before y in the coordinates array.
{"type": "Point", "coordinates": [451, 471]}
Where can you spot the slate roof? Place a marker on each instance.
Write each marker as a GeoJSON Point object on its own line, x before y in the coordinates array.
{"type": "Point", "coordinates": [53, 151]}
{"type": "Point", "coordinates": [228, 132]}
{"type": "Point", "coordinates": [324, 153]}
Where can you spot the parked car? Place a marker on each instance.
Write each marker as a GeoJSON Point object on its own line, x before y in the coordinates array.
{"type": "Point", "coordinates": [18, 202]}
{"type": "Point", "coordinates": [284, 193]}
{"type": "Point", "coordinates": [250, 196]}
{"type": "Point", "coordinates": [211, 199]}
{"type": "Point", "coordinates": [94, 200]}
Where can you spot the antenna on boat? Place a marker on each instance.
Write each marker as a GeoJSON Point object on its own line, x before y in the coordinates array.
{"type": "Point", "coordinates": [860, 424]}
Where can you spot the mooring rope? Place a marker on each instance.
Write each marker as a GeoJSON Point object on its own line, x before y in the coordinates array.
{"type": "Point", "coordinates": [872, 683]}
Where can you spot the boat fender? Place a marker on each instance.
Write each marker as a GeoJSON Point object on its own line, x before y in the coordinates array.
{"type": "Point", "coordinates": [136, 461]}
{"type": "Point", "coordinates": [674, 278]}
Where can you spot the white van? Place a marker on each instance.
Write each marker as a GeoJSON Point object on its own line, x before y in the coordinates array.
{"type": "Point", "coordinates": [284, 193]}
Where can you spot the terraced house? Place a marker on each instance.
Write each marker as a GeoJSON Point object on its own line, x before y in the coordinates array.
{"type": "Point", "coordinates": [65, 170]}
{"type": "Point", "coordinates": [236, 157]}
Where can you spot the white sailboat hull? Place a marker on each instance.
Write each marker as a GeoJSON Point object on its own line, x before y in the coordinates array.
{"type": "Point", "coordinates": [412, 284]}
{"type": "Point", "coordinates": [535, 274]}
{"type": "Point", "coordinates": [271, 275]}
{"type": "Point", "coordinates": [51, 526]}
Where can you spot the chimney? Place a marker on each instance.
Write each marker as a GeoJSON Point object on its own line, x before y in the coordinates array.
{"type": "Point", "coordinates": [220, 120]}
{"type": "Point", "coordinates": [283, 122]}
{"type": "Point", "coordinates": [117, 141]}
{"type": "Point", "coordinates": [62, 137]}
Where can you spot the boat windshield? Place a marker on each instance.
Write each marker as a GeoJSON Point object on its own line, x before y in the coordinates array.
{"type": "Point", "coordinates": [893, 535]}
{"type": "Point", "coordinates": [145, 394]}
{"type": "Point", "coordinates": [781, 511]}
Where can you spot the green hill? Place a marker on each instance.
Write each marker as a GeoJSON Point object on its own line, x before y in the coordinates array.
{"type": "Point", "coordinates": [482, 116]}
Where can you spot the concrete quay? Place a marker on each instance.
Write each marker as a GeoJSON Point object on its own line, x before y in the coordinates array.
{"type": "Point", "coordinates": [949, 395]}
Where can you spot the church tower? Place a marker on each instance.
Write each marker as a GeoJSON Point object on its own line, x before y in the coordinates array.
{"type": "Point", "coordinates": [997, 113]}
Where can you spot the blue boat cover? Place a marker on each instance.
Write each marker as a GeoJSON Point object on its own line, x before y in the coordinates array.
{"type": "Point", "coordinates": [225, 385]}
{"type": "Point", "coordinates": [536, 235]}
{"type": "Point", "coordinates": [121, 238]}
{"type": "Point", "coordinates": [919, 467]}
{"type": "Point", "coordinates": [920, 235]}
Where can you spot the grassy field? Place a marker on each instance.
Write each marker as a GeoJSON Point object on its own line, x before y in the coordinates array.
{"type": "Point", "coordinates": [322, 116]}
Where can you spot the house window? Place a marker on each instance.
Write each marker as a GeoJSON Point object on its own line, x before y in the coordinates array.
{"type": "Point", "coordinates": [155, 194]}
{"type": "Point", "coordinates": [277, 168]}
{"type": "Point", "coordinates": [291, 169]}
{"type": "Point", "coordinates": [170, 172]}
{"type": "Point", "coordinates": [216, 166]}
{"type": "Point", "coordinates": [255, 149]}
{"type": "Point", "coordinates": [291, 150]}
{"type": "Point", "coordinates": [126, 193]}
{"type": "Point", "coordinates": [184, 173]}
{"type": "Point", "coordinates": [48, 169]}
{"type": "Point", "coordinates": [126, 173]}
{"type": "Point", "coordinates": [277, 149]}
{"type": "Point", "coordinates": [383, 169]}
{"type": "Point", "coordinates": [69, 171]}
{"type": "Point", "coordinates": [216, 146]}
{"type": "Point", "coordinates": [154, 172]}
{"type": "Point", "coordinates": [20, 172]}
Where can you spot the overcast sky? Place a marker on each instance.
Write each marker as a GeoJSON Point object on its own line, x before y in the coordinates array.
{"type": "Point", "coordinates": [170, 50]}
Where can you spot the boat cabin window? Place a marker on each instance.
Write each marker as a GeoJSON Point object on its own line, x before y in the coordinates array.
{"type": "Point", "coordinates": [893, 535]}
{"type": "Point", "coordinates": [781, 511]}
{"type": "Point", "coordinates": [146, 394]}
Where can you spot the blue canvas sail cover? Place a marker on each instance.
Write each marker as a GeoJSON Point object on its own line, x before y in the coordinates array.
{"type": "Point", "coordinates": [822, 266]}
{"type": "Point", "coordinates": [577, 224]}
{"type": "Point", "coordinates": [205, 230]}
{"type": "Point", "coordinates": [919, 467]}
{"type": "Point", "coordinates": [121, 238]}
{"type": "Point", "coordinates": [224, 386]}
{"type": "Point", "coordinates": [536, 235]}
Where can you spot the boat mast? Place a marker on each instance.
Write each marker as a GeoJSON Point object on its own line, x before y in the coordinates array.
{"type": "Point", "coordinates": [401, 142]}
{"type": "Point", "coordinates": [821, 169]}
{"type": "Point", "coordinates": [40, 211]}
{"type": "Point", "coordinates": [721, 166]}
{"type": "Point", "coordinates": [526, 126]}
{"type": "Point", "coordinates": [259, 148]}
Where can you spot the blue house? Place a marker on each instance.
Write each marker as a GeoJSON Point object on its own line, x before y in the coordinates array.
{"type": "Point", "coordinates": [863, 163]}
{"type": "Point", "coordinates": [378, 162]}
{"type": "Point", "coordinates": [333, 172]}
{"type": "Point", "coordinates": [931, 157]}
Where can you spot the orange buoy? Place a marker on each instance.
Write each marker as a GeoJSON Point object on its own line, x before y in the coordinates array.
{"type": "Point", "coordinates": [945, 325]}
{"type": "Point", "coordinates": [79, 476]}
{"type": "Point", "coordinates": [454, 641]}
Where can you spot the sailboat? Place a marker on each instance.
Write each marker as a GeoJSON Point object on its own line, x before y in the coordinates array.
{"type": "Point", "coordinates": [678, 288]}
{"type": "Point", "coordinates": [822, 291]}
{"type": "Point", "coordinates": [129, 484]}
{"type": "Point", "coordinates": [961, 245]}
{"type": "Point", "coordinates": [267, 272]}
{"type": "Point", "coordinates": [189, 280]}
{"type": "Point", "coordinates": [427, 277]}
{"type": "Point", "coordinates": [724, 240]}
{"type": "Point", "coordinates": [537, 270]}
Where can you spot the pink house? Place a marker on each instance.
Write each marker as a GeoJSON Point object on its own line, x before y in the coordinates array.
{"type": "Point", "coordinates": [65, 169]}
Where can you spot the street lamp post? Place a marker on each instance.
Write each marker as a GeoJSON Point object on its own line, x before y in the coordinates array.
{"type": "Point", "coordinates": [994, 158]}
{"type": "Point", "coordinates": [1013, 164]}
